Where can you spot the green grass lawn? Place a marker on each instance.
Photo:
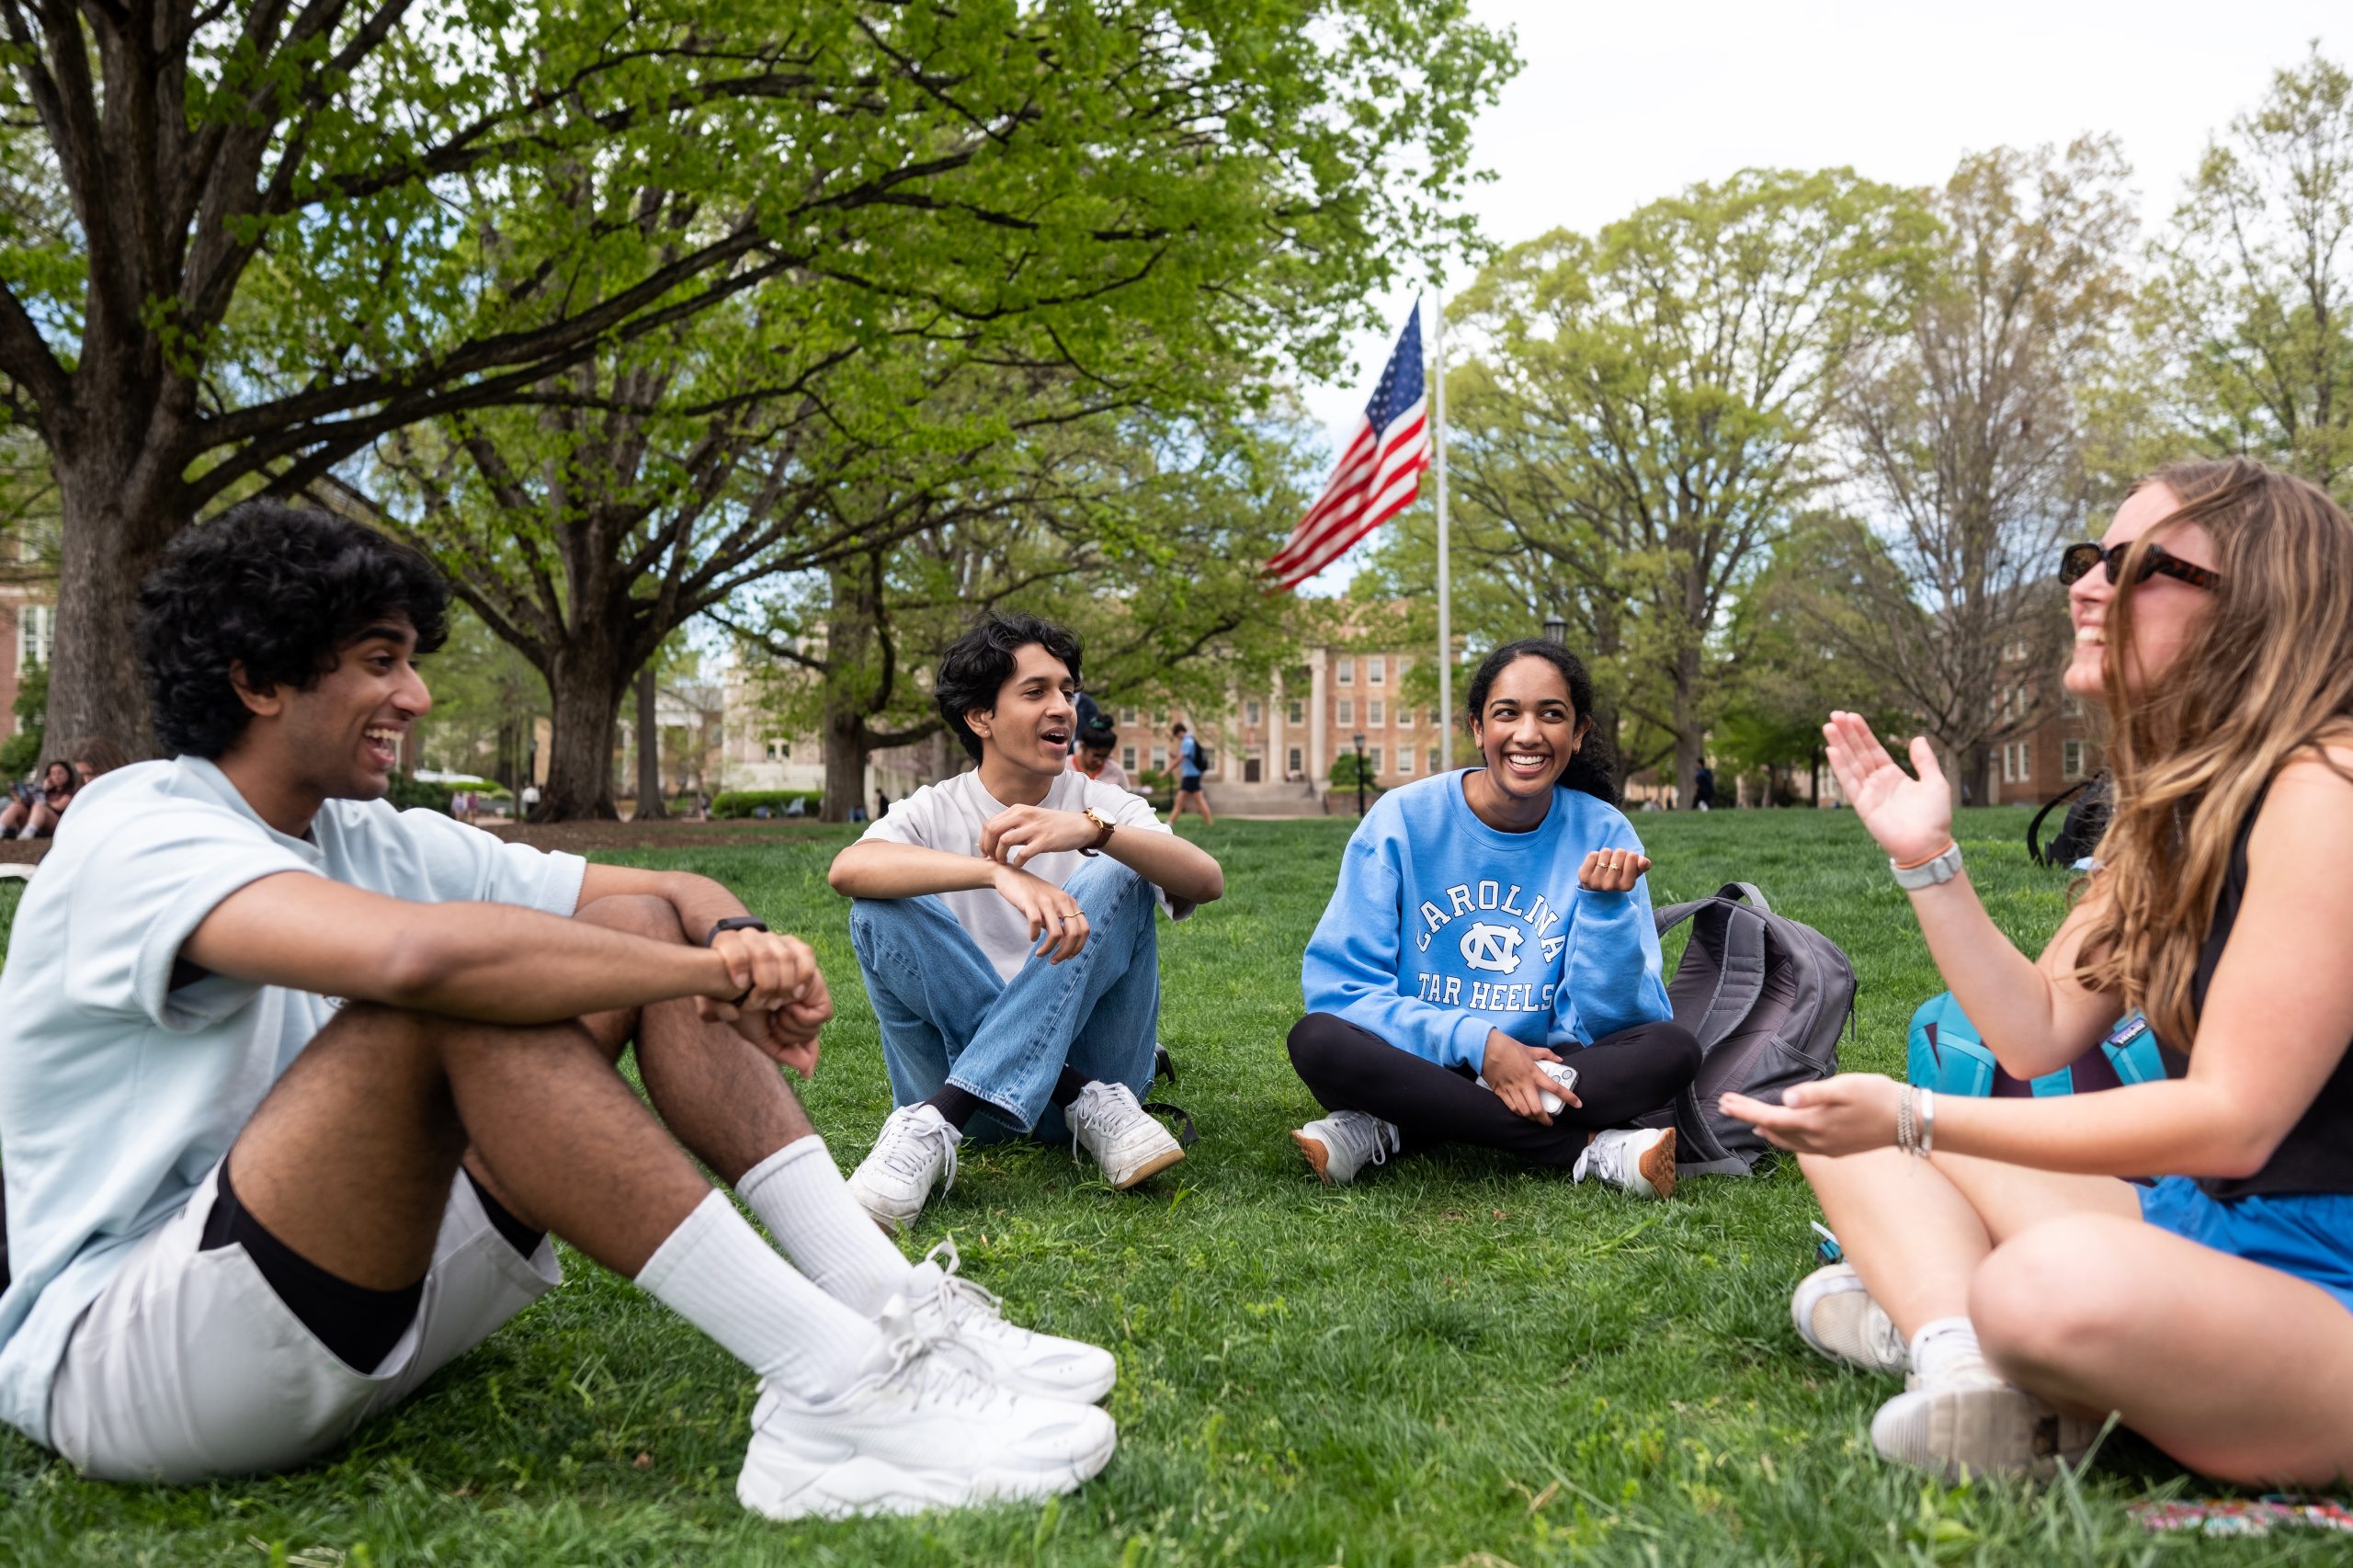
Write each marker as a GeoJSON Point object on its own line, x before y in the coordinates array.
{"type": "Point", "coordinates": [1453, 1363]}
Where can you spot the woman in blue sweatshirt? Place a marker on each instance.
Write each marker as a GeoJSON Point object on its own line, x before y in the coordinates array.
{"type": "Point", "coordinates": [1488, 970]}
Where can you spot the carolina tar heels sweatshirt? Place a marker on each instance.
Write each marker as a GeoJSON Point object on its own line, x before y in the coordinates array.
{"type": "Point", "coordinates": [1442, 928]}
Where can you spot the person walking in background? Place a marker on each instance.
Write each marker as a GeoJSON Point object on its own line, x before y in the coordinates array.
{"type": "Point", "coordinates": [1002, 919]}
{"type": "Point", "coordinates": [1188, 776]}
{"type": "Point", "coordinates": [1488, 971]}
{"type": "Point", "coordinates": [1703, 787]}
{"type": "Point", "coordinates": [1096, 740]}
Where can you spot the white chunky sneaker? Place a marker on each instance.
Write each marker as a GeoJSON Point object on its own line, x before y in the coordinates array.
{"type": "Point", "coordinates": [967, 1323]}
{"type": "Point", "coordinates": [1338, 1146]}
{"type": "Point", "coordinates": [1968, 1421]}
{"type": "Point", "coordinates": [1559, 1072]}
{"type": "Point", "coordinates": [1122, 1135]}
{"type": "Point", "coordinates": [1834, 1313]}
{"type": "Point", "coordinates": [1639, 1159]}
{"type": "Point", "coordinates": [915, 1152]}
{"type": "Point", "coordinates": [923, 1432]}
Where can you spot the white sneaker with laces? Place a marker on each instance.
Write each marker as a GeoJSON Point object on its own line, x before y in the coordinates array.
{"type": "Point", "coordinates": [1122, 1135]}
{"type": "Point", "coordinates": [1834, 1313]}
{"type": "Point", "coordinates": [967, 1323]}
{"type": "Point", "coordinates": [922, 1432]}
{"type": "Point", "coordinates": [1967, 1421]}
{"type": "Point", "coordinates": [915, 1152]}
{"type": "Point", "coordinates": [1641, 1160]}
{"type": "Point", "coordinates": [1338, 1146]}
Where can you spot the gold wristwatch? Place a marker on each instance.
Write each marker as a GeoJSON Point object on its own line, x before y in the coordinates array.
{"type": "Point", "coordinates": [1103, 826]}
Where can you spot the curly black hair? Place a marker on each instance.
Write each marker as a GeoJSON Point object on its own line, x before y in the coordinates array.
{"type": "Point", "coordinates": [279, 589]}
{"type": "Point", "coordinates": [1594, 768]}
{"type": "Point", "coordinates": [977, 665]}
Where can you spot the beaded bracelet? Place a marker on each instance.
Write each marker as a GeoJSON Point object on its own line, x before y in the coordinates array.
{"type": "Point", "coordinates": [1903, 1122]}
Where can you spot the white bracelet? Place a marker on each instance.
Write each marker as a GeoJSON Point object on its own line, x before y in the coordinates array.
{"type": "Point", "coordinates": [1927, 1123]}
{"type": "Point", "coordinates": [1903, 1119]}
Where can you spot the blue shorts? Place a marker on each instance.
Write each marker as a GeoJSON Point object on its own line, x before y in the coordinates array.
{"type": "Point", "coordinates": [2308, 1235]}
{"type": "Point", "coordinates": [1190, 785]}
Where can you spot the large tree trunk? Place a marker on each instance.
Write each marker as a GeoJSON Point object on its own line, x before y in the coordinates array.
{"type": "Point", "coordinates": [852, 682]}
{"type": "Point", "coordinates": [112, 533]}
{"type": "Point", "coordinates": [583, 693]}
{"type": "Point", "coordinates": [845, 752]}
{"type": "Point", "coordinates": [1689, 734]}
{"type": "Point", "coordinates": [649, 748]}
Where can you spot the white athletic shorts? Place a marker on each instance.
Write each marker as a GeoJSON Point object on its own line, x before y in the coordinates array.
{"type": "Point", "coordinates": [188, 1365]}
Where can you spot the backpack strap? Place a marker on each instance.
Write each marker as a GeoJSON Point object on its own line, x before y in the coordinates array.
{"type": "Point", "coordinates": [2034, 850]}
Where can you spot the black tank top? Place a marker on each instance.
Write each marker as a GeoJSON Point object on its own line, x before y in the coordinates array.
{"type": "Point", "coordinates": [2317, 1153]}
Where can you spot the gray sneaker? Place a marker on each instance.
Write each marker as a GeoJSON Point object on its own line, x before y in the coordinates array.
{"type": "Point", "coordinates": [1338, 1146]}
{"type": "Point", "coordinates": [1834, 1313]}
{"type": "Point", "coordinates": [1969, 1422]}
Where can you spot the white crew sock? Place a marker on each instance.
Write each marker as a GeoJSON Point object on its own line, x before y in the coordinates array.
{"type": "Point", "coordinates": [716, 1272]}
{"type": "Point", "coordinates": [1945, 1347]}
{"type": "Point", "coordinates": [803, 1200]}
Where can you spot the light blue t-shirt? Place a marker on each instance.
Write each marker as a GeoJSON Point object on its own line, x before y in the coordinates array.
{"type": "Point", "coordinates": [117, 1090]}
{"type": "Point", "coordinates": [1443, 929]}
{"type": "Point", "coordinates": [1188, 758]}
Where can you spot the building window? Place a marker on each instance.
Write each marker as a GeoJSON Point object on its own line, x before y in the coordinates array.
{"type": "Point", "coordinates": [1376, 669]}
{"type": "Point", "coordinates": [1348, 711]}
{"type": "Point", "coordinates": [1404, 716]}
{"type": "Point", "coordinates": [2017, 762]}
{"type": "Point", "coordinates": [1159, 759]}
{"type": "Point", "coordinates": [2071, 759]}
{"type": "Point", "coordinates": [2071, 705]}
{"type": "Point", "coordinates": [1348, 671]}
{"type": "Point", "coordinates": [1405, 761]}
{"type": "Point", "coordinates": [1434, 719]}
{"type": "Point", "coordinates": [36, 631]}
{"type": "Point", "coordinates": [1252, 714]}
{"type": "Point", "coordinates": [1128, 761]}
{"type": "Point", "coordinates": [1297, 712]}
{"type": "Point", "coordinates": [1297, 765]}
{"type": "Point", "coordinates": [1434, 759]}
{"type": "Point", "coordinates": [780, 751]}
{"type": "Point", "coordinates": [1375, 713]}
{"type": "Point", "coordinates": [1127, 715]}
{"type": "Point", "coordinates": [1373, 756]}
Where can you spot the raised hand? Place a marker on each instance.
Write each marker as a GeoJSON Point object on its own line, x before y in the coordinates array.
{"type": "Point", "coordinates": [1612, 870]}
{"type": "Point", "coordinates": [1912, 818]}
{"type": "Point", "coordinates": [1020, 834]}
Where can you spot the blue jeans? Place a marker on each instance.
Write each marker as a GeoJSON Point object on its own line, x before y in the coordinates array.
{"type": "Point", "coordinates": [947, 1018]}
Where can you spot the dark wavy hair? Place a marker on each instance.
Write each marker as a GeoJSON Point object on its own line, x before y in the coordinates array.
{"type": "Point", "coordinates": [977, 665]}
{"type": "Point", "coordinates": [279, 589]}
{"type": "Point", "coordinates": [1594, 768]}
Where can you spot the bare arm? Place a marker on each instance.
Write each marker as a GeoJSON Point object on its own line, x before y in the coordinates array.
{"type": "Point", "coordinates": [1176, 867]}
{"type": "Point", "coordinates": [876, 868]}
{"type": "Point", "coordinates": [700, 902]}
{"type": "Point", "coordinates": [2277, 1021]}
{"type": "Point", "coordinates": [2036, 1017]}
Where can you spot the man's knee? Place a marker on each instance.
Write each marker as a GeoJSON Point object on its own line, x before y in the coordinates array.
{"type": "Point", "coordinates": [638, 914]}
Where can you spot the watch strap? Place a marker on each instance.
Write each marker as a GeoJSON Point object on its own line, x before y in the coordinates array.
{"type": "Point", "coordinates": [1937, 869]}
{"type": "Point", "coordinates": [1103, 827]}
{"type": "Point", "coordinates": [733, 923]}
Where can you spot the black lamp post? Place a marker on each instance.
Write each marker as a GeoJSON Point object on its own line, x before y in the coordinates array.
{"type": "Point", "coordinates": [1359, 739]}
{"type": "Point", "coordinates": [1555, 629]}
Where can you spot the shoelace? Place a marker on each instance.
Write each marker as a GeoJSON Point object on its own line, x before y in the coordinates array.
{"type": "Point", "coordinates": [955, 1290]}
{"type": "Point", "coordinates": [1088, 1110]}
{"type": "Point", "coordinates": [904, 1153]}
{"type": "Point", "coordinates": [1379, 1140]}
{"type": "Point", "coordinates": [927, 1378]}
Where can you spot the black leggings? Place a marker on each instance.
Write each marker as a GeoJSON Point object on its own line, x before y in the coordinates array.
{"type": "Point", "coordinates": [1620, 1077]}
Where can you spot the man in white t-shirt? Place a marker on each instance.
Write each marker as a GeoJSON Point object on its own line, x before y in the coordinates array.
{"type": "Point", "coordinates": [1004, 924]}
{"type": "Point", "coordinates": [293, 1086]}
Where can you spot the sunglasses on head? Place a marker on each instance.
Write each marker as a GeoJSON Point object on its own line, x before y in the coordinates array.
{"type": "Point", "coordinates": [2078, 559]}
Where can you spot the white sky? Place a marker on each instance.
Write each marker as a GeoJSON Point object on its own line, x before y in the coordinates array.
{"type": "Point", "coordinates": [1617, 105]}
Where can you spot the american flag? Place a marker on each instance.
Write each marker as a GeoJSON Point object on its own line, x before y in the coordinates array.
{"type": "Point", "coordinates": [1379, 475]}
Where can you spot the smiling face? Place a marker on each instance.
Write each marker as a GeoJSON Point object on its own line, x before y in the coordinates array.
{"type": "Point", "coordinates": [1031, 726]}
{"type": "Point", "coordinates": [1528, 727]}
{"type": "Point", "coordinates": [2165, 612]}
{"type": "Point", "coordinates": [343, 735]}
{"type": "Point", "coordinates": [57, 777]}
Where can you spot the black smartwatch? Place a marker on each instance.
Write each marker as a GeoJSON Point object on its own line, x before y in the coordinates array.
{"type": "Point", "coordinates": [735, 922]}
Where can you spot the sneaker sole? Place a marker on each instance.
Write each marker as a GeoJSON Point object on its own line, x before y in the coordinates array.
{"type": "Point", "coordinates": [1983, 1429]}
{"type": "Point", "coordinates": [862, 1485]}
{"type": "Point", "coordinates": [1860, 1357]}
{"type": "Point", "coordinates": [883, 1220]}
{"type": "Point", "coordinates": [1657, 1165]}
{"type": "Point", "coordinates": [1319, 1158]}
{"type": "Point", "coordinates": [1153, 1165]}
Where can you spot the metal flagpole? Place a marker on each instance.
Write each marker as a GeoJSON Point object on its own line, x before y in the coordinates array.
{"type": "Point", "coordinates": [1445, 589]}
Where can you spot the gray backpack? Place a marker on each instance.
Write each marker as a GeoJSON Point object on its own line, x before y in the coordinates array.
{"type": "Point", "coordinates": [1767, 998]}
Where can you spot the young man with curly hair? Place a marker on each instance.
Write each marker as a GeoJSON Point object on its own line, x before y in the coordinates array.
{"type": "Point", "coordinates": [1004, 924]}
{"type": "Point", "coordinates": [295, 1085]}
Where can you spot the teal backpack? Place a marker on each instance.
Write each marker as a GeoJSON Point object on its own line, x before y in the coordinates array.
{"type": "Point", "coordinates": [1948, 1056]}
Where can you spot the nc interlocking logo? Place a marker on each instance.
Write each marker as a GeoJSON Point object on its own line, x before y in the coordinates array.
{"type": "Point", "coordinates": [1493, 949]}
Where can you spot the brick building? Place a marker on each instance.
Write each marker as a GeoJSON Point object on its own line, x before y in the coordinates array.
{"type": "Point", "coordinates": [2059, 753]}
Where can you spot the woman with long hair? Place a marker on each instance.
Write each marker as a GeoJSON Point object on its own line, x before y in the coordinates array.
{"type": "Point", "coordinates": [39, 806]}
{"type": "Point", "coordinates": [1488, 970]}
{"type": "Point", "coordinates": [2001, 1253]}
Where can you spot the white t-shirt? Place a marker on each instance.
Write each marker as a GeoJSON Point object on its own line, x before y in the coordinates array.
{"type": "Point", "coordinates": [949, 815]}
{"type": "Point", "coordinates": [118, 1089]}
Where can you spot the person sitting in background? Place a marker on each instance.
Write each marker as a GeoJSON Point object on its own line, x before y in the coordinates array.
{"type": "Point", "coordinates": [1093, 756]}
{"type": "Point", "coordinates": [1995, 1257]}
{"type": "Point", "coordinates": [1488, 971]}
{"type": "Point", "coordinates": [96, 756]}
{"type": "Point", "coordinates": [1002, 919]}
{"type": "Point", "coordinates": [38, 805]}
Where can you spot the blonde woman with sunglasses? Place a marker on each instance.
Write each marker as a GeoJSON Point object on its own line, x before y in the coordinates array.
{"type": "Point", "coordinates": [2003, 1255]}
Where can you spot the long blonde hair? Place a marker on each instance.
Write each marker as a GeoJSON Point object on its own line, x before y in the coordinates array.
{"type": "Point", "coordinates": [2267, 672]}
